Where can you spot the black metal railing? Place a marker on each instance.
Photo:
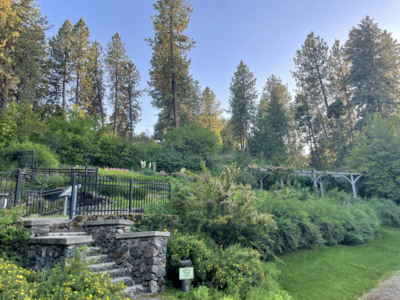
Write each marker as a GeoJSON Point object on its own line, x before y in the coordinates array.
{"type": "Point", "coordinates": [88, 194]}
{"type": "Point", "coordinates": [104, 195]}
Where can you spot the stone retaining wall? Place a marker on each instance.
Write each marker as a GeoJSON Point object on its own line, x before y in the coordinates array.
{"type": "Point", "coordinates": [142, 254]}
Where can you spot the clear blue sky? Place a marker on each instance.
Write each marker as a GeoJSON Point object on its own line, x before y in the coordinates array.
{"type": "Point", "coordinates": [264, 34]}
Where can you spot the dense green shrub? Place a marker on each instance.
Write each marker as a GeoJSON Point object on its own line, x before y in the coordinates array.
{"type": "Point", "coordinates": [169, 160]}
{"type": "Point", "coordinates": [245, 177]}
{"type": "Point", "coordinates": [192, 162]}
{"type": "Point", "coordinates": [236, 270]}
{"type": "Point", "coordinates": [44, 158]}
{"type": "Point", "coordinates": [47, 182]}
{"type": "Point", "coordinates": [192, 139]}
{"type": "Point", "coordinates": [387, 211]}
{"type": "Point", "coordinates": [10, 231]}
{"type": "Point", "coordinates": [221, 209]}
{"type": "Point", "coordinates": [316, 221]}
{"type": "Point", "coordinates": [295, 229]}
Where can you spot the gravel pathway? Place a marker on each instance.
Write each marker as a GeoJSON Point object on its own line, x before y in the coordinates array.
{"type": "Point", "coordinates": [386, 290]}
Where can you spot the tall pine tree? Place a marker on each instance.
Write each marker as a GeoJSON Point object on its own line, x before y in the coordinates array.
{"type": "Point", "coordinates": [374, 73]}
{"type": "Point", "coordinates": [211, 112]}
{"type": "Point", "coordinates": [131, 94]}
{"type": "Point", "coordinates": [116, 58]}
{"type": "Point", "coordinates": [60, 48]}
{"type": "Point", "coordinates": [170, 83]}
{"type": "Point", "coordinates": [94, 82]}
{"type": "Point", "coordinates": [242, 98]}
{"type": "Point", "coordinates": [271, 126]}
{"type": "Point", "coordinates": [22, 52]}
{"type": "Point", "coordinates": [80, 47]}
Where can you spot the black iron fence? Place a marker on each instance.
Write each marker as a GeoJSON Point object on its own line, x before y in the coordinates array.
{"type": "Point", "coordinates": [23, 159]}
{"type": "Point", "coordinates": [97, 195]}
{"type": "Point", "coordinates": [88, 194]}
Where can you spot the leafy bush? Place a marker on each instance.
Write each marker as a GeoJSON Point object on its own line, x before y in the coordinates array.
{"type": "Point", "coordinates": [47, 182]}
{"type": "Point", "coordinates": [245, 177]}
{"type": "Point", "coordinates": [10, 231]}
{"type": "Point", "coordinates": [223, 268]}
{"type": "Point", "coordinates": [44, 158]}
{"type": "Point", "coordinates": [169, 160]}
{"type": "Point", "coordinates": [192, 162]}
{"type": "Point", "coordinates": [70, 282]}
{"type": "Point", "coordinates": [237, 271]}
{"type": "Point", "coordinates": [387, 211]}
{"type": "Point", "coordinates": [220, 208]}
{"type": "Point", "coordinates": [192, 139]}
{"type": "Point", "coordinates": [316, 221]}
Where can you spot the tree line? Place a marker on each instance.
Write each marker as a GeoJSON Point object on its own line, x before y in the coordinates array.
{"type": "Point", "coordinates": [338, 86]}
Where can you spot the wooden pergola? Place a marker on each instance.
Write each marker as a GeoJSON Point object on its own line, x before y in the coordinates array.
{"type": "Point", "coordinates": [318, 177]}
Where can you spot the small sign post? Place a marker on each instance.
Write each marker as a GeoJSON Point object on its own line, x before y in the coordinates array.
{"type": "Point", "coordinates": [186, 274]}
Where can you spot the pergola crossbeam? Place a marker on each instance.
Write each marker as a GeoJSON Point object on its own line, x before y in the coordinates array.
{"type": "Point", "coordinates": [318, 178]}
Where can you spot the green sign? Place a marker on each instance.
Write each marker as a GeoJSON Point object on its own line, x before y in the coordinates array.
{"type": "Point", "coordinates": [186, 273]}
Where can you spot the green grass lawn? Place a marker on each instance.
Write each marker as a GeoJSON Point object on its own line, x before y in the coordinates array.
{"type": "Point", "coordinates": [342, 272]}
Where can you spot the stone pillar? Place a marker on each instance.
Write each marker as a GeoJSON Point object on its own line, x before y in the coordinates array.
{"type": "Point", "coordinates": [145, 258]}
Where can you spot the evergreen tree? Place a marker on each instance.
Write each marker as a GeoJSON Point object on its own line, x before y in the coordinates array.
{"type": "Point", "coordinates": [374, 74]}
{"type": "Point", "coordinates": [312, 66]}
{"type": "Point", "coordinates": [22, 52]}
{"type": "Point", "coordinates": [242, 104]}
{"type": "Point", "coordinates": [195, 102]}
{"type": "Point", "coordinates": [211, 111]}
{"type": "Point", "coordinates": [131, 94]}
{"type": "Point", "coordinates": [116, 59]}
{"type": "Point", "coordinates": [340, 112]}
{"type": "Point", "coordinates": [312, 102]}
{"type": "Point", "coordinates": [60, 48]}
{"type": "Point", "coordinates": [94, 82]}
{"type": "Point", "coordinates": [80, 47]}
{"type": "Point", "coordinates": [306, 122]}
{"type": "Point", "coordinates": [271, 126]}
{"type": "Point", "coordinates": [170, 83]}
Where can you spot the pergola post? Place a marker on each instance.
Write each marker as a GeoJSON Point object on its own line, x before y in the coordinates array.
{"type": "Point", "coordinates": [262, 179]}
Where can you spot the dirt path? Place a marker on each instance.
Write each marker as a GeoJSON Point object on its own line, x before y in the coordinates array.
{"type": "Point", "coordinates": [386, 290]}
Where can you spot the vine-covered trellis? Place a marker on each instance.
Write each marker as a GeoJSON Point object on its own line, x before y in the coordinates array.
{"type": "Point", "coordinates": [318, 177]}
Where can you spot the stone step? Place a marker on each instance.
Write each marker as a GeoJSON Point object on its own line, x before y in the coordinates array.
{"type": "Point", "coordinates": [113, 273]}
{"type": "Point", "coordinates": [126, 280]}
{"type": "Point", "coordinates": [102, 267]}
{"type": "Point", "coordinates": [131, 291]}
{"type": "Point", "coordinates": [96, 259]}
{"type": "Point", "coordinates": [67, 233]}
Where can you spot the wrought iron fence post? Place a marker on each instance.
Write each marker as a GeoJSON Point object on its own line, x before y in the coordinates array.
{"type": "Point", "coordinates": [40, 201]}
{"type": "Point", "coordinates": [49, 171]}
{"type": "Point", "coordinates": [33, 159]}
{"type": "Point", "coordinates": [86, 174]}
{"type": "Point", "coordinates": [73, 198]}
{"type": "Point", "coordinates": [130, 195]}
{"type": "Point", "coordinates": [97, 182]}
{"type": "Point", "coordinates": [170, 191]}
{"type": "Point", "coordinates": [17, 187]}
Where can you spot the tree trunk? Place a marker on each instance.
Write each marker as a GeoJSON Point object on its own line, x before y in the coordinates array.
{"type": "Point", "coordinates": [77, 91]}
{"type": "Point", "coordinates": [320, 82]}
{"type": "Point", "coordinates": [63, 92]}
{"type": "Point", "coordinates": [116, 99]}
{"type": "Point", "coordinates": [175, 100]}
{"type": "Point", "coordinates": [130, 113]}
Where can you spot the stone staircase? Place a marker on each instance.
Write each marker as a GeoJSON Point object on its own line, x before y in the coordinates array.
{"type": "Point", "coordinates": [98, 262]}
